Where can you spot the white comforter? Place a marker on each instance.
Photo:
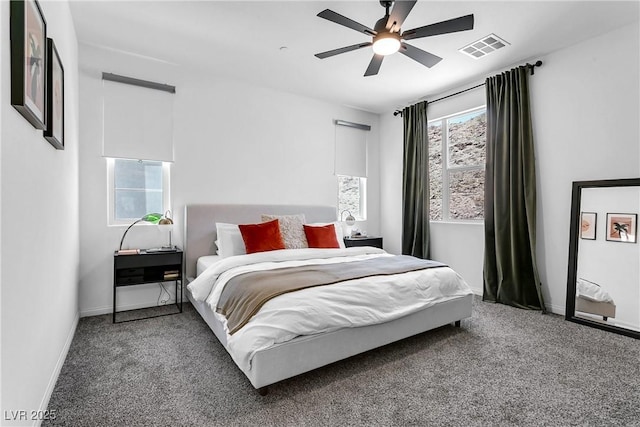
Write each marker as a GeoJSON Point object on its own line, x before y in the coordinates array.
{"type": "Point", "coordinates": [310, 311]}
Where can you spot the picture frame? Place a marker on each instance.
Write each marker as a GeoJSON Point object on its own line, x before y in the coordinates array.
{"type": "Point", "coordinates": [588, 225]}
{"type": "Point", "coordinates": [28, 30]}
{"type": "Point", "coordinates": [54, 132]}
{"type": "Point", "coordinates": [622, 227]}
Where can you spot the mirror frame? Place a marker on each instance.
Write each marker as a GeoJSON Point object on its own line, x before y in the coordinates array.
{"type": "Point", "coordinates": [576, 197]}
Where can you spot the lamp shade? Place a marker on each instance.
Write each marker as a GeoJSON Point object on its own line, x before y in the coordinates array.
{"type": "Point", "coordinates": [167, 223]}
{"type": "Point", "coordinates": [349, 220]}
{"type": "Point", "coordinates": [153, 218]}
{"type": "Point", "coordinates": [166, 219]}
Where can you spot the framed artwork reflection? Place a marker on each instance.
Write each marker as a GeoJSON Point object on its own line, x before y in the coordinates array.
{"type": "Point", "coordinates": [54, 133]}
{"type": "Point", "coordinates": [28, 61]}
{"type": "Point", "coordinates": [588, 221]}
{"type": "Point", "coordinates": [622, 227]}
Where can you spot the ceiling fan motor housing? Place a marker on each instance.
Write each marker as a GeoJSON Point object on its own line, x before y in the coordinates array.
{"type": "Point", "coordinates": [381, 25]}
{"type": "Point", "coordinates": [386, 41]}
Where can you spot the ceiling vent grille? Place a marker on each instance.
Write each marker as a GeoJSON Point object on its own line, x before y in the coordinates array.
{"type": "Point", "coordinates": [484, 46]}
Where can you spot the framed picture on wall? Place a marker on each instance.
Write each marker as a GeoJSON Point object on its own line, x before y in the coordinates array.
{"type": "Point", "coordinates": [28, 61]}
{"type": "Point", "coordinates": [54, 133]}
{"type": "Point", "coordinates": [622, 227]}
{"type": "Point", "coordinates": [588, 222]}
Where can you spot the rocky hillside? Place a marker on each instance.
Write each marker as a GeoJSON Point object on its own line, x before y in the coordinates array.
{"type": "Point", "coordinates": [466, 148]}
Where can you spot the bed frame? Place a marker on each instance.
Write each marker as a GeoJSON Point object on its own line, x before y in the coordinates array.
{"type": "Point", "coordinates": [305, 353]}
{"type": "Point", "coordinates": [604, 309]}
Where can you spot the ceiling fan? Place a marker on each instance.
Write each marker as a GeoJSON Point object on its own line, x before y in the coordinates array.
{"type": "Point", "coordinates": [387, 37]}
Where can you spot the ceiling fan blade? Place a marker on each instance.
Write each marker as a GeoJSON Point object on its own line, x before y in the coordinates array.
{"type": "Point", "coordinates": [343, 20]}
{"type": "Point", "coordinates": [401, 9]}
{"type": "Point", "coordinates": [345, 49]}
{"type": "Point", "coordinates": [462, 23]}
{"type": "Point", "coordinates": [425, 58]}
{"type": "Point", "coordinates": [374, 65]}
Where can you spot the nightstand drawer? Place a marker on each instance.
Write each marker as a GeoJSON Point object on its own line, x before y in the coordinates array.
{"type": "Point", "coordinates": [127, 272]}
{"type": "Point", "coordinates": [129, 280]}
{"type": "Point", "coordinates": [147, 260]}
{"type": "Point", "coordinates": [376, 242]}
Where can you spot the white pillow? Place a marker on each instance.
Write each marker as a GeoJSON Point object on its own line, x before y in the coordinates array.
{"type": "Point", "coordinates": [338, 226]}
{"type": "Point", "coordinates": [591, 291]}
{"type": "Point", "coordinates": [229, 240]}
{"type": "Point", "coordinates": [291, 230]}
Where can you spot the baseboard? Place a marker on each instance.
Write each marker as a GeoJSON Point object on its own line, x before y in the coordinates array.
{"type": "Point", "coordinates": [556, 309]}
{"type": "Point", "coordinates": [44, 404]}
{"type": "Point", "coordinates": [148, 300]}
{"type": "Point", "coordinates": [551, 308]}
{"type": "Point", "coordinates": [109, 309]}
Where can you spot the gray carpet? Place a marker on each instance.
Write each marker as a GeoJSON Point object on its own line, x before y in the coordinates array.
{"type": "Point", "coordinates": [504, 366]}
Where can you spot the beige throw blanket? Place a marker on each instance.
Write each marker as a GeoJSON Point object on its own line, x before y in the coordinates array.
{"type": "Point", "coordinates": [246, 293]}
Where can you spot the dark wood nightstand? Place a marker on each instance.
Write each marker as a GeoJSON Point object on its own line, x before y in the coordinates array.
{"type": "Point", "coordinates": [374, 241]}
{"type": "Point", "coordinates": [148, 267]}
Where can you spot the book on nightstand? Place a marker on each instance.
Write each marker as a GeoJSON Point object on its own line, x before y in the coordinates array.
{"type": "Point", "coordinates": [128, 251]}
{"type": "Point", "coordinates": [171, 274]}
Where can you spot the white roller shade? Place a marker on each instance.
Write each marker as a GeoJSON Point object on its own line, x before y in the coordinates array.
{"type": "Point", "coordinates": [137, 122]}
{"type": "Point", "coordinates": [351, 151]}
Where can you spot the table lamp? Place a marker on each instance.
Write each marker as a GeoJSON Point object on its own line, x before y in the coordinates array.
{"type": "Point", "coordinates": [166, 221]}
{"type": "Point", "coordinates": [350, 220]}
{"type": "Point", "coordinates": [153, 218]}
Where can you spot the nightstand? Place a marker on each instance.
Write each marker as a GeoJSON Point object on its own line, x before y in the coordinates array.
{"type": "Point", "coordinates": [148, 267]}
{"type": "Point", "coordinates": [374, 241]}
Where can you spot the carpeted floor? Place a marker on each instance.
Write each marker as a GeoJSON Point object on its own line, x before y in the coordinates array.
{"type": "Point", "coordinates": [504, 366]}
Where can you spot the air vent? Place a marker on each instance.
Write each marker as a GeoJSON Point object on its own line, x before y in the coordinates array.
{"type": "Point", "coordinates": [484, 46]}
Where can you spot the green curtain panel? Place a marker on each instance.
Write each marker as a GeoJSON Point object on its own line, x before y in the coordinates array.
{"type": "Point", "coordinates": [510, 271]}
{"type": "Point", "coordinates": [415, 182]}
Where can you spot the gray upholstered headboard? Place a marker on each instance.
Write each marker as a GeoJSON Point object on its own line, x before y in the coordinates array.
{"type": "Point", "coordinates": [200, 224]}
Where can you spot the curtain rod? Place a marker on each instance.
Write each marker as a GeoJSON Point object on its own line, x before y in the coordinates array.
{"type": "Point", "coordinates": [530, 66]}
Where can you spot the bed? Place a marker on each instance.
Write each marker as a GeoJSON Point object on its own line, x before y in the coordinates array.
{"type": "Point", "coordinates": [591, 298]}
{"type": "Point", "coordinates": [295, 355]}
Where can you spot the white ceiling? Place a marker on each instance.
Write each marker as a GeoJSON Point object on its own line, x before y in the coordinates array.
{"type": "Point", "coordinates": [243, 39]}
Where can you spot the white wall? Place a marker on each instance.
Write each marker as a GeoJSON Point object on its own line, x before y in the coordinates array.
{"type": "Point", "coordinates": [585, 106]}
{"type": "Point", "coordinates": [234, 143]}
{"type": "Point", "coordinates": [40, 236]}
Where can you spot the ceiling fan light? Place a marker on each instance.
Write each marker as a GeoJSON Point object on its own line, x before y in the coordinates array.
{"type": "Point", "coordinates": [386, 43]}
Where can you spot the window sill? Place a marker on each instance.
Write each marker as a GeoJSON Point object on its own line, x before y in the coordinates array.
{"type": "Point", "coordinates": [460, 222]}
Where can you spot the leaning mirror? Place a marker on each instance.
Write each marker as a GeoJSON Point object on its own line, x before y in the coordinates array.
{"type": "Point", "coordinates": [603, 285]}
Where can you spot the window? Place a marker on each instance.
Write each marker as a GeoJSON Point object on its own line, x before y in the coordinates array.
{"type": "Point", "coordinates": [351, 196]}
{"type": "Point", "coordinates": [351, 168]}
{"type": "Point", "coordinates": [136, 188]}
{"type": "Point", "coordinates": [456, 166]}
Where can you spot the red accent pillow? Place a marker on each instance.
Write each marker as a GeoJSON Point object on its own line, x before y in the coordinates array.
{"type": "Point", "coordinates": [262, 237]}
{"type": "Point", "coordinates": [321, 236]}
